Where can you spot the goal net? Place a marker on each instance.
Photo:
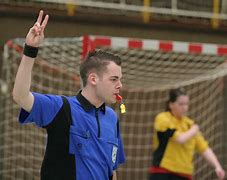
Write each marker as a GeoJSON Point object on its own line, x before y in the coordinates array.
{"type": "Point", "coordinates": [150, 69]}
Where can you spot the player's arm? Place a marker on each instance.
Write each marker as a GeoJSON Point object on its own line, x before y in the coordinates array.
{"type": "Point", "coordinates": [209, 155]}
{"type": "Point", "coordinates": [162, 125]}
{"type": "Point", "coordinates": [21, 90]}
{"type": "Point", "coordinates": [182, 137]}
{"type": "Point", "coordinates": [114, 175]}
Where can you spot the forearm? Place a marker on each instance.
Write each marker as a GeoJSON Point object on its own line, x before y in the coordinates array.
{"type": "Point", "coordinates": [211, 158]}
{"type": "Point", "coordinates": [23, 77]}
{"type": "Point", "coordinates": [114, 175]}
{"type": "Point", "coordinates": [21, 90]}
{"type": "Point", "coordinates": [184, 137]}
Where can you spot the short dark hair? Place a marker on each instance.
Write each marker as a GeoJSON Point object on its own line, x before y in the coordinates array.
{"type": "Point", "coordinates": [173, 95]}
{"type": "Point", "coordinates": [97, 61]}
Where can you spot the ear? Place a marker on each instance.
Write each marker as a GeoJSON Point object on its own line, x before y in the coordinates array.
{"type": "Point", "coordinates": [92, 78]}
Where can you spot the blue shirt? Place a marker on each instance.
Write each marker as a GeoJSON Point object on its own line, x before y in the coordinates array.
{"type": "Point", "coordinates": [94, 134]}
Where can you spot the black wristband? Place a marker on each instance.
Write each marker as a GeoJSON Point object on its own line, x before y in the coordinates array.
{"type": "Point", "coordinates": [30, 51]}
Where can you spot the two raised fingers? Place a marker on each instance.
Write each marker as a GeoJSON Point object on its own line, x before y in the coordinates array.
{"type": "Point", "coordinates": [41, 21]}
{"type": "Point", "coordinates": [40, 24]}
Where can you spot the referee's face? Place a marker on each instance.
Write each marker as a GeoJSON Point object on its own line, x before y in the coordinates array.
{"type": "Point", "coordinates": [109, 83]}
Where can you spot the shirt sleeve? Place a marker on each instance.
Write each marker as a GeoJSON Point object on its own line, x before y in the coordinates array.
{"type": "Point", "coordinates": [161, 123]}
{"type": "Point", "coordinates": [120, 154]}
{"type": "Point", "coordinates": [201, 143]}
{"type": "Point", "coordinates": [163, 127]}
{"type": "Point", "coordinates": [43, 111]}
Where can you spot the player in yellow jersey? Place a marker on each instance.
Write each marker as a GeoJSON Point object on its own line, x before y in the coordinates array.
{"type": "Point", "coordinates": [176, 139]}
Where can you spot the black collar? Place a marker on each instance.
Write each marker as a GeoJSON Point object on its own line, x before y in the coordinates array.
{"type": "Point", "coordinates": [87, 105]}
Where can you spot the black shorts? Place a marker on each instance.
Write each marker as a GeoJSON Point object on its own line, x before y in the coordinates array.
{"type": "Point", "coordinates": [160, 176]}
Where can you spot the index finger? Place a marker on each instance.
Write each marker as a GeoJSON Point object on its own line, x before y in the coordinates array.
{"type": "Point", "coordinates": [40, 17]}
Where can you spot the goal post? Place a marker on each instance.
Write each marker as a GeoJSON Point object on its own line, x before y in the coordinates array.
{"type": "Point", "coordinates": [150, 69]}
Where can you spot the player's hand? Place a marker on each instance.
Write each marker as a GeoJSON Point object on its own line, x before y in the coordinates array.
{"type": "Point", "coordinates": [220, 173]}
{"type": "Point", "coordinates": [35, 35]}
{"type": "Point", "coordinates": [195, 128]}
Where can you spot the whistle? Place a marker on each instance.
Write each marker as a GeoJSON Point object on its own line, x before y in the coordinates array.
{"type": "Point", "coordinates": [122, 105]}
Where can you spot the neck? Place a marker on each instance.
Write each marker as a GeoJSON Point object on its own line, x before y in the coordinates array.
{"type": "Point", "coordinates": [91, 96]}
{"type": "Point", "coordinates": [176, 115]}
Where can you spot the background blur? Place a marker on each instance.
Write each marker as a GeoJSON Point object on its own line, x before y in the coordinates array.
{"type": "Point", "coordinates": [169, 20]}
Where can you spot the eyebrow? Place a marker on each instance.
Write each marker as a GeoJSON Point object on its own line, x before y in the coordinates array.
{"type": "Point", "coordinates": [115, 77]}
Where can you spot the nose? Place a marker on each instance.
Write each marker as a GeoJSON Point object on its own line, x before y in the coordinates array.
{"type": "Point", "coordinates": [119, 85]}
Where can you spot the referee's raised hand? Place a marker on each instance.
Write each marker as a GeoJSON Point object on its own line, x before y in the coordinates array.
{"type": "Point", "coordinates": [35, 35]}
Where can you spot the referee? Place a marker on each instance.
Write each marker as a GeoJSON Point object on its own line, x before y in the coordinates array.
{"type": "Point", "coordinates": [84, 141]}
